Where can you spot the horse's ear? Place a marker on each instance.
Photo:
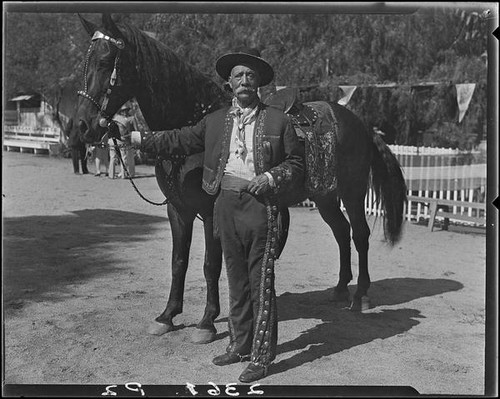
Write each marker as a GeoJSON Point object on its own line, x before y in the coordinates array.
{"type": "Point", "coordinates": [89, 26]}
{"type": "Point", "coordinates": [110, 25]}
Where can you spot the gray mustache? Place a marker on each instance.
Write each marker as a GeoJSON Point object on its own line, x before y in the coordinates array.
{"type": "Point", "coordinates": [246, 90]}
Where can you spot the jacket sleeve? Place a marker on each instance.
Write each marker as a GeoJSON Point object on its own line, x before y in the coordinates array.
{"type": "Point", "coordinates": [289, 174]}
{"type": "Point", "coordinates": [184, 141]}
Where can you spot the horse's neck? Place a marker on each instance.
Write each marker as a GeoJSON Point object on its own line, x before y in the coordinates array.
{"type": "Point", "coordinates": [152, 115]}
{"type": "Point", "coordinates": [174, 101]}
{"type": "Point", "coordinates": [163, 112]}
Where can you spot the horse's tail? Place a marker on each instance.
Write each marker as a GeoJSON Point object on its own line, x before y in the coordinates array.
{"type": "Point", "coordinates": [389, 187]}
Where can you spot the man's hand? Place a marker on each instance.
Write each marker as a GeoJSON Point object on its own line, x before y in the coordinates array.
{"type": "Point", "coordinates": [259, 185]}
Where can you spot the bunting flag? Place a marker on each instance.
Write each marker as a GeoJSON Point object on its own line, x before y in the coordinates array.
{"type": "Point", "coordinates": [464, 95]}
{"type": "Point", "coordinates": [348, 91]}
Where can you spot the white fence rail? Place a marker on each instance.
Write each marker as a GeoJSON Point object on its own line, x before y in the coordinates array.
{"type": "Point", "coordinates": [29, 131]}
{"type": "Point", "coordinates": [413, 150]}
{"type": "Point", "coordinates": [442, 173]}
{"type": "Point", "coordinates": [29, 139]}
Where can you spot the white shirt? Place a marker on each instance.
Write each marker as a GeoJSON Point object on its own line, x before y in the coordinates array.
{"type": "Point", "coordinates": [241, 161]}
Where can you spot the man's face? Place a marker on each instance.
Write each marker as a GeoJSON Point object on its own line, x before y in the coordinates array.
{"type": "Point", "coordinates": [244, 82]}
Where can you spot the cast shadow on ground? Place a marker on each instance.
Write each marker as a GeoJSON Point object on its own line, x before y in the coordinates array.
{"type": "Point", "coordinates": [342, 329]}
{"type": "Point", "coordinates": [42, 255]}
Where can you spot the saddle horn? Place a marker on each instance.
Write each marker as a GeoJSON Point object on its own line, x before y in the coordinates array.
{"type": "Point", "coordinates": [89, 26]}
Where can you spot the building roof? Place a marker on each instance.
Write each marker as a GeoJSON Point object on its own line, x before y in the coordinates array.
{"type": "Point", "coordinates": [22, 98]}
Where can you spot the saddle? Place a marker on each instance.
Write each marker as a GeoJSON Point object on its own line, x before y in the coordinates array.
{"type": "Point", "coordinates": [315, 124]}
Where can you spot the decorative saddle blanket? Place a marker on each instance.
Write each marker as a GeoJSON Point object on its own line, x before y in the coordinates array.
{"type": "Point", "coordinates": [316, 124]}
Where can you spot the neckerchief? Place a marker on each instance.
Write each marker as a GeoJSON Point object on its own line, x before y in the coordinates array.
{"type": "Point", "coordinates": [244, 116]}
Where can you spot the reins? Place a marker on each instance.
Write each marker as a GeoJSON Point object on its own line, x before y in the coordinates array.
{"type": "Point", "coordinates": [119, 155]}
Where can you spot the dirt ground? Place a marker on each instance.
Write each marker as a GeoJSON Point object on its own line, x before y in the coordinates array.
{"type": "Point", "coordinates": [86, 268]}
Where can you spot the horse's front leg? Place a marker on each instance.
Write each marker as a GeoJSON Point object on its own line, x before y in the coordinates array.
{"type": "Point", "coordinates": [182, 233]}
{"type": "Point", "coordinates": [205, 330]}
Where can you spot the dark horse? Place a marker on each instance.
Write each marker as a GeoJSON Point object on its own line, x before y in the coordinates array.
{"type": "Point", "coordinates": [123, 62]}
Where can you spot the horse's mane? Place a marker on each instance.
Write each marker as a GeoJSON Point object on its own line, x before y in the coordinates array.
{"type": "Point", "coordinates": [169, 80]}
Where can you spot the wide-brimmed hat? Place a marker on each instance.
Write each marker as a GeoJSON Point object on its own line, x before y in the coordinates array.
{"type": "Point", "coordinates": [245, 56]}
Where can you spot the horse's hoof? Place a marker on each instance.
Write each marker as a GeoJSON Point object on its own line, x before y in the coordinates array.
{"type": "Point", "coordinates": [340, 296]}
{"type": "Point", "coordinates": [156, 328]}
{"type": "Point", "coordinates": [203, 336]}
{"type": "Point", "coordinates": [360, 304]}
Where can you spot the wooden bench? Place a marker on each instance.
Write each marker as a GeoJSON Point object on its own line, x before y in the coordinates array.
{"type": "Point", "coordinates": [440, 207]}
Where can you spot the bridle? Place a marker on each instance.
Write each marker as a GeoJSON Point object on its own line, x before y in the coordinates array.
{"type": "Point", "coordinates": [106, 119]}
{"type": "Point", "coordinates": [114, 80]}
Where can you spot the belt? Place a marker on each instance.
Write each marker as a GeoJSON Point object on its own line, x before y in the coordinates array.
{"type": "Point", "coordinates": [233, 183]}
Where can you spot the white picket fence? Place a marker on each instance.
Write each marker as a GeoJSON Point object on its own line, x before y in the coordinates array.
{"type": "Point", "coordinates": [435, 176]}
{"type": "Point", "coordinates": [413, 150]}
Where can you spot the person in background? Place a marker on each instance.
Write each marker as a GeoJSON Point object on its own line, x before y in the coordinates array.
{"type": "Point", "coordinates": [77, 147]}
{"type": "Point", "coordinates": [126, 124]}
{"type": "Point", "coordinates": [100, 153]}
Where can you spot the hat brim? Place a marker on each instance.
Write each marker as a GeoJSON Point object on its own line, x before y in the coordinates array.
{"type": "Point", "coordinates": [227, 62]}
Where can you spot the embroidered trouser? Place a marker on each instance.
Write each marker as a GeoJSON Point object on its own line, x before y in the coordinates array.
{"type": "Point", "coordinates": [248, 242]}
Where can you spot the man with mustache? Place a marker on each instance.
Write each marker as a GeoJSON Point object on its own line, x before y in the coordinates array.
{"type": "Point", "coordinates": [252, 163]}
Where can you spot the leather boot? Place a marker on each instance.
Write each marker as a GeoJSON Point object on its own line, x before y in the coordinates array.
{"type": "Point", "coordinates": [229, 358]}
{"type": "Point", "coordinates": [253, 372]}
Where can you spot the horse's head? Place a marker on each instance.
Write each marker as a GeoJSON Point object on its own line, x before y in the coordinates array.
{"type": "Point", "coordinates": [108, 78]}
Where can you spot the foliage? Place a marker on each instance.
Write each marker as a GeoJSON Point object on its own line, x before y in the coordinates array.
{"type": "Point", "coordinates": [316, 52]}
{"type": "Point", "coordinates": [42, 51]}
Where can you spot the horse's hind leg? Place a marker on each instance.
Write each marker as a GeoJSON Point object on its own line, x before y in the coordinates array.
{"type": "Point", "coordinates": [329, 209]}
{"type": "Point", "coordinates": [360, 235]}
{"type": "Point", "coordinates": [205, 330]}
{"type": "Point", "coordinates": [182, 232]}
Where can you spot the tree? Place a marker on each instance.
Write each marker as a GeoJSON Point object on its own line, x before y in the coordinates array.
{"type": "Point", "coordinates": [442, 44]}
{"type": "Point", "coordinates": [41, 52]}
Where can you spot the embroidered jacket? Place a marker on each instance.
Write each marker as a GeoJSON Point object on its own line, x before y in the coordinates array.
{"type": "Point", "coordinates": [276, 147]}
